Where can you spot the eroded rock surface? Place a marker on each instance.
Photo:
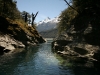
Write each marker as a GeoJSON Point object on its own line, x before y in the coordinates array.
{"type": "Point", "coordinates": [9, 43]}
{"type": "Point", "coordinates": [77, 44]}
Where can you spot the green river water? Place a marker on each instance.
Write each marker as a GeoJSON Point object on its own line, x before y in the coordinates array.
{"type": "Point", "coordinates": [40, 60]}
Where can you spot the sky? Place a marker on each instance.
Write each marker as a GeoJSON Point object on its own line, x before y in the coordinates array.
{"type": "Point", "coordinates": [46, 8]}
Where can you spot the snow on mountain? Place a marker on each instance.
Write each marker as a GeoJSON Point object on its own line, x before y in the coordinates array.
{"type": "Point", "coordinates": [47, 24]}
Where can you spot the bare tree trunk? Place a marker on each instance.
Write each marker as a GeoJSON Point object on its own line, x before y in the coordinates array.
{"type": "Point", "coordinates": [33, 17]}
{"type": "Point", "coordinates": [36, 14]}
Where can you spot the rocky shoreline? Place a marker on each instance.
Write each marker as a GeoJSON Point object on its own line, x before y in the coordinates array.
{"type": "Point", "coordinates": [14, 36]}
{"type": "Point", "coordinates": [9, 43]}
{"type": "Point", "coordinates": [74, 44]}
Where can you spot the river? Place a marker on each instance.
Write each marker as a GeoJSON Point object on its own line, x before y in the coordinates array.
{"type": "Point", "coordinates": [40, 60]}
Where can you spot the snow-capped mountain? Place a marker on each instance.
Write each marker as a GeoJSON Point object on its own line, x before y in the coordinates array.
{"type": "Point", "coordinates": [47, 24]}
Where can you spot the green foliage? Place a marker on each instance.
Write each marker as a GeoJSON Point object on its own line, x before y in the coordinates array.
{"type": "Point", "coordinates": [89, 13]}
{"type": "Point", "coordinates": [88, 10]}
{"type": "Point", "coordinates": [12, 22]}
{"type": "Point", "coordinates": [86, 5]}
{"type": "Point", "coordinates": [8, 9]}
{"type": "Point", "coordinates": [26, 16]}
{"type": "Point", "coordinates": [65, 19]}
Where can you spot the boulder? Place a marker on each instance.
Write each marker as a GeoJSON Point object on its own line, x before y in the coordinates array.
{"type": "Point", "coordinates": [8, 43]}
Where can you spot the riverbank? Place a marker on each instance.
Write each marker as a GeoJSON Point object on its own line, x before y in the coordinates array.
{"type": "Point", "coordinates": [15, 34]}
{"type": "Point", "coordinates": [83, 46]}
{"type": "Point", "coordinates": [40, 60]}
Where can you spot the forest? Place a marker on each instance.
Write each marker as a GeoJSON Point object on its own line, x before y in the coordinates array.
{"type": "Point", "coordinates": [79, 30]}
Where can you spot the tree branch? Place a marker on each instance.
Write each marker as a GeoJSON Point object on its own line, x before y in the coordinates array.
{"type": "Point", "coordinates": [70, 5]}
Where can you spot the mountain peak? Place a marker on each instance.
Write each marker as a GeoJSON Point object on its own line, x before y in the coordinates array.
{"type": "Point", "coordinates": [47, 24]}
{"type": "Point", "coordinates": [47, 19]}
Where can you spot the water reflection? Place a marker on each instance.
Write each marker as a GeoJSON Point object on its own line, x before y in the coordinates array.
{"type": "Point", "coordinates": [9, 61]}
{"type": "Point", "coordinates": [79, 66]}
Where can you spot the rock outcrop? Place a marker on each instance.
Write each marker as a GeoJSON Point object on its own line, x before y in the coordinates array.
{"type": "Point", "coordinates": [14, 34]}
{"type": "Point", "coordinates": [78, 44]}
{"type": "Point", "coordinates": [9, 43]}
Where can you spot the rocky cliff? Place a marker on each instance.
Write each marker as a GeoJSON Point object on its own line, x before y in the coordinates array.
{"type": "Point", "coordinates": [81, 45]}
{"type": "Point", "coordinates": [14, 34]}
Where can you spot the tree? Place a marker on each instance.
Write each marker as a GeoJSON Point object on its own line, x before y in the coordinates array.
{"type": "Point", "coordinates": [26, 16]}
{"type": "Point", "coordinates": [88, 13]}
{"type": "Point", "coordinates": [8, 9]}
{"type": "Point", "coordinates": [70, 5]}
{"type": "Point", "coordinates": [33, 17]}
{"type": "Point", "coordinates": [65, 19]}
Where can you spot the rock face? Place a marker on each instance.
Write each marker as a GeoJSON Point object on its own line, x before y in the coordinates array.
{"type": "Point", "coordinates": [16, 35]}
{"type": "Point", "coordinates": [78, 44]}
{"type": "Point", "coordinates": [9, 43]}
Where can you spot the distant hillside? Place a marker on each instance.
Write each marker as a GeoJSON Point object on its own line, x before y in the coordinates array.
{"type": "Point", "coordinates": [49, 34]}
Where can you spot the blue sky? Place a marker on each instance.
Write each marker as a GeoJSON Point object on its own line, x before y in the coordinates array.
{"type": "Point", "coordinates": [46, 8]}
